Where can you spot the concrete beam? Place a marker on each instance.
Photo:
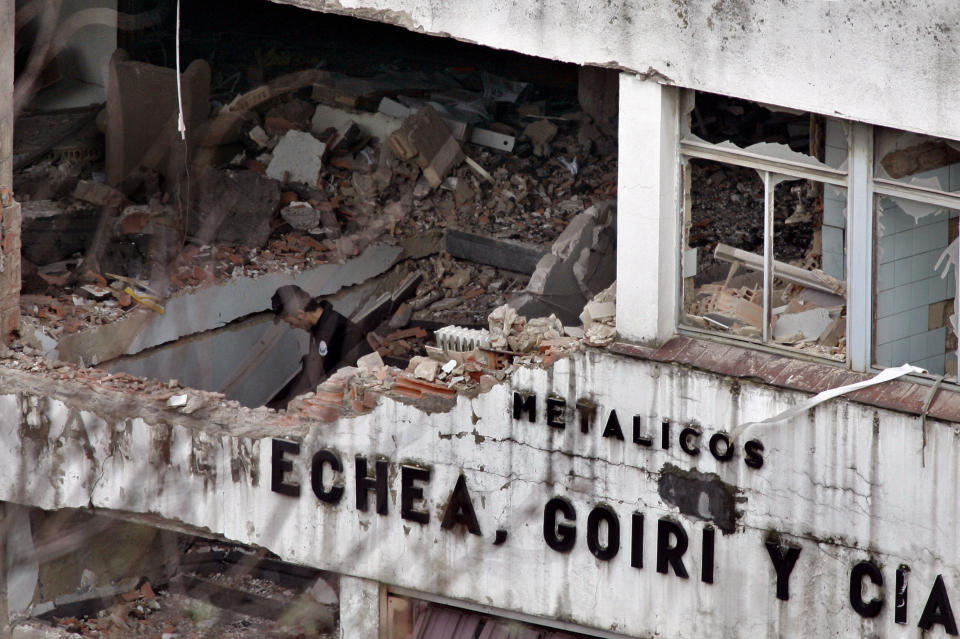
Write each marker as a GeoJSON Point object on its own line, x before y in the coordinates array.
{"type": "Point", "coordinates": [198, 310]}
{"type": "Point", "coordinates": [833, 58]}
{"type": "Point", "coordinates": [359, 608]}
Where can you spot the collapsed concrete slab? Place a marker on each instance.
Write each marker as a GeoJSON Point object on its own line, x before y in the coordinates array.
{"type": "Point", "coordinates": [197, 310]}
{"type": "Point", "coordinates": [298, 157]}
{"type": "Point", "coordinates": [581, 264]}
{"type": "Point", "coordinates": [207, 360]}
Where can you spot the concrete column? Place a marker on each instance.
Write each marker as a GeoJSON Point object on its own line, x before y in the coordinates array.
{"type": "Point", "coordinates": [9, 209]}
{"type": "Point", "coordinates": [359, 608]}
{"type": "Point", "coordinates": [648, 187]}
{"type": "Point", "coordinates": [6, 93]}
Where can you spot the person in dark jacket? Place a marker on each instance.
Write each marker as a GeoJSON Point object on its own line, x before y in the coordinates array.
{"type": "Point", "coordinates": [335, 341]}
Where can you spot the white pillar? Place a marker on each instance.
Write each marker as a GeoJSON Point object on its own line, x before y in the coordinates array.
{"type": "Point", "coordinates": [359, 608]}
{"type": "Point", "coordinates": [648, 188]}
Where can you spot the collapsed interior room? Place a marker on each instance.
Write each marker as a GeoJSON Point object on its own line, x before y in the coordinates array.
{"type": "Point", "coordinates": [415, 182]}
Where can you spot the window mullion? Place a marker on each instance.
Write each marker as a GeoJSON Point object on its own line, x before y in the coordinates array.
{"type": "Point", "coordinates": [860, 248]}
{"type": "Point", "coordinates": [767, 252]}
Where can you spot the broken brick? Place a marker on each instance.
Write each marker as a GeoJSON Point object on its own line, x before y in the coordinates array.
{"type": "Point", "coordinates": [425, 137]}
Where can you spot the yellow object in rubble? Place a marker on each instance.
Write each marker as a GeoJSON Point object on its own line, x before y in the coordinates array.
{"type": "Point", "coordinates": [144, 300]}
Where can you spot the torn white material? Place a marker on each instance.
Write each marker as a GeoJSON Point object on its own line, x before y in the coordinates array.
{"type": "Point", "coordinates": [181, 125]}
{"type": "Point", "coordinates": [177, 401]}
{"type": "Point", "coordinates": [950, 255]}
{"type": "Point", "coordinates": [811, 324]}
{"type": "Point", "coordinates": [885, 375]}
{"type": "Point", "coordinates": [571, 165]}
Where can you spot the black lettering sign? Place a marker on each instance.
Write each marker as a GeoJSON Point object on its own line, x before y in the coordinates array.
{"type": "Point", "coordinates": [637, 437]}
{"type": "Point", "coordinates": [938, 610]}
{"type": "Point", "coordinates": [587, 411]}
{"type": "Point", "coordinates": [613, 427]}
{"type": "Point", "coordinates": [706, 558]}
{"type": "Point", "coordinates": [279, 466]}
{"type": "Point", "coordinates": [320, 459]}
{"type": "Point", "coordinates": [377, 483]}
{"type": "Point", "coordinates": [783, 565]}
{"type": "Point", "coordinates": [603, 514]}
{"type": "Point", "coordinates": [870, 608]}
{"type": "Point", "coordinates": [556, 408]}
{"type": "Point", "coordinates": [525, 402]}
{"type": "Point", "coordinates": [753, 450]}
{"type": "Point", "coordinates": [559, 536]}
{"type": "Point", "coordinates": [410, 492]}
{"type": "Point", "coordinates": [720, 447]}
{"type": "Point", "coordinates": [900, 600]}
{"type": "Point", "coordinates": [686, 436]}
{"type": "Point", "coordinates": [671, 554]}
{"type": "Point", "coordinates": [459, 509]}
{"type": "Point", "coordinates": [636, 541]}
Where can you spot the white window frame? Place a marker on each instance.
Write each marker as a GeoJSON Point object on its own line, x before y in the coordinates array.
{"type": "Point", "coordinates": [861, 186]}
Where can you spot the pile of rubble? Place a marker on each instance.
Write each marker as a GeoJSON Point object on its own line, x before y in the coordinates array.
{"type": "Point", "coordinates": [725, 293]}
{"type": "Point", "coordinates": [218, 590]}
{"type": "Point", "coordinates": [461, 360]}
{"type": "Point", "coordinates": [307, 169]}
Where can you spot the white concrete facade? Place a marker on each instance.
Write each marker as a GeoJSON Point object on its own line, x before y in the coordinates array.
{"type": "Point", "coordinates": [845, 484]}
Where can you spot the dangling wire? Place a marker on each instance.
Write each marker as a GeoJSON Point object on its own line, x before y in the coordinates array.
{"type": "Point", "coordinates": [181, 125]}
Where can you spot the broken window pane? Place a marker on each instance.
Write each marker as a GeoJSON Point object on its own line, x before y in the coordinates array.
{"type": "Point", "coordinates": [809, 292]}
{"type": "Point", "coordinates": [915, 285]}
{"type": "Point", "coordinates": [918, 160]}
{"type": "Point", "coordinates": [762, 128]}
{"type": "Point", "coordinates": [726, 210]}
{"type": "Point", "coordinates": [723, 265]}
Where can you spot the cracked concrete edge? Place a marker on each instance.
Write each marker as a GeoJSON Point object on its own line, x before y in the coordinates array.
{"type": "Point", "coordinates": [197, 310]}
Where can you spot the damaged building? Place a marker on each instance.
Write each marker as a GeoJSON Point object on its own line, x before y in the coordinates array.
{"type": "Point", "coordinates": [403, 320]}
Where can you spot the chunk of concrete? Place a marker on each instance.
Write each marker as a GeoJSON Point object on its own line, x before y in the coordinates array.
{"type": "Point", "coordinates": [577, 236]}
{"type": "Point", "coordinates": [426, 138]}
{"type": "Point", "coordinates": [235, 207]}
{"type": "Point", "coordinates": [98, 193]}
{"type": "Point", "coordinates": [541, 133]}
{"type": "Point", "coordinates": [142, 113]}
{"type": "Point", "coordinates": [581, 263]}
{"type": "Point", "coordinates": [811, 324]}
{"type": "Point", "coordinates": [298, 157]}
{"type": "Point", "coordinates": [378, 125]}
{"type": "Point", "coordinates": [260, 137]}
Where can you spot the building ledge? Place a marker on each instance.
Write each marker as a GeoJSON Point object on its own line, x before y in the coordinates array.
{"type": "Point", "coordinates": [905, 395]}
